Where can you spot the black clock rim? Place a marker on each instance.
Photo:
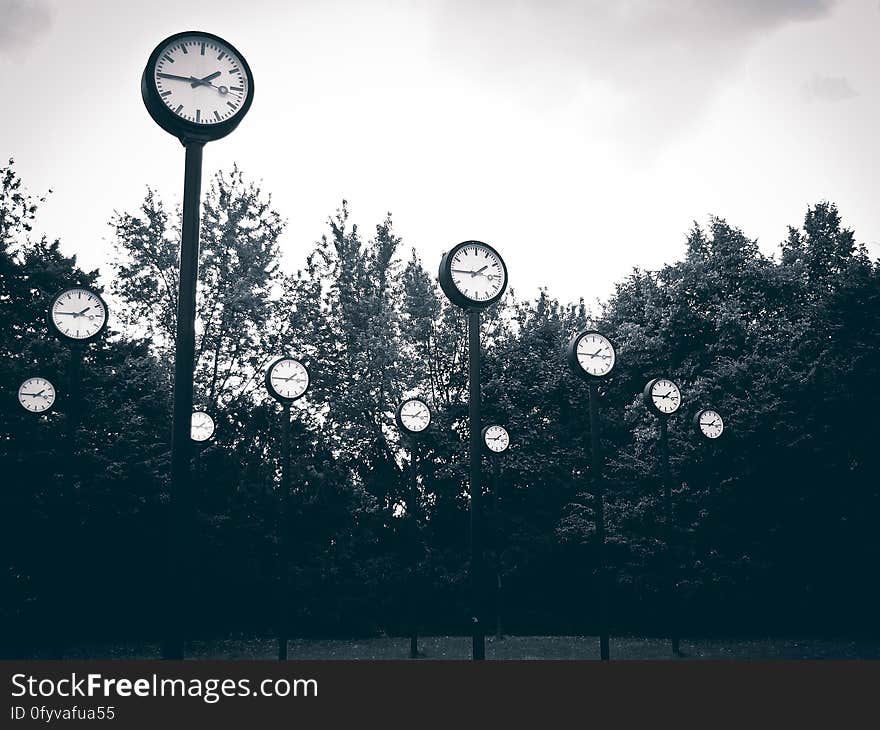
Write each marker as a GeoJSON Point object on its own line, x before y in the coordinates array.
{"type": "Point", "coordinates": [649, 402]}
{"type": "Point", "coordinates": [184, 130]}
{"type": "Point", "coordinates": [451, 291]}
{"type": "Point", "coordinates": [76, 340]}
{"type": "Point", "coordinates": [213, 431]}
{"type": "Point", "coordinates": [486, 446]}
{"type": "Point", "coordinates": [575, 365]}
{"type": "Point", "coordinates": [54, 400]}
{"type": "Point", "coordinates": [268, 381]}
{"type": "Point", "coordinates": [399, 421]}
{"type": "Point", "coordinates": [696, 423]}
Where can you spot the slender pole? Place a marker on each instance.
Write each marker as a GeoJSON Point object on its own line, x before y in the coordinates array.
{"type": "Point", "coordinates": [501, 538]}
{"type": "Point", "coordinates": [599, 497]}
{"type": "Point", "coordinates": [180, 516]}
{"type": "Point", "coordinates": [478, 608]}
{"type": "Point", "coordinates": [284, 544]}
{"type": "Point", "coordinates": [667, 519]}
{"type": "Point", "coordinates": [413, 496]}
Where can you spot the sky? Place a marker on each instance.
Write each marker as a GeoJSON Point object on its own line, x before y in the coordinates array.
{"type": "Point", "coordinates": [580, 139]}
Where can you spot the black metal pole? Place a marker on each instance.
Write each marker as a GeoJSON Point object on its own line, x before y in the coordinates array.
{"type": "Point", "coordinates": [478, 618]}
{"type": "Point", "coordinates": [599, 498]}
{"type": "Point", "coordinates": [180, 522]}
{"type": "Point", "coordinates": [413, 586]}
{"type": "Point", "coordinates": [667, 519]}
{"type": "Point", "coordinates": [500, 538]}
{"type": "Point", "coordinates": [284, 543]}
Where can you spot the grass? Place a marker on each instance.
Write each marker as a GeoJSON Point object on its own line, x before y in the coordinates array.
{"type": "Point", "coordinates": [512, 647]}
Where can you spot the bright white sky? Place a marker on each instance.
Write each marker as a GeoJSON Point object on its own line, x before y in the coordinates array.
{"type": "Point", "coordinates": [579, 138]}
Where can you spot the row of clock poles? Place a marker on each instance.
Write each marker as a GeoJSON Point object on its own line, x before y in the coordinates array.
{"type": "Point", "coordinates": [198, 87]}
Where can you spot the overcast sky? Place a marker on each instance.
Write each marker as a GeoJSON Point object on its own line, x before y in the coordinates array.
{"type": "Point", "coordinates": [579, 138]}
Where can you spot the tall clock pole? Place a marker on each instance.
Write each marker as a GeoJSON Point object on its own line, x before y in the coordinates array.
{"type": "Point", "coordinates": [201, 98]}
{"type": "Point", "coordinates": [477, 588]}
{"type": "Point", "coordinates": [599, 498]}
{"type": "Point", "coordinates": [414, 582]}
{"type": "Point", "coordinates": [284, 542]}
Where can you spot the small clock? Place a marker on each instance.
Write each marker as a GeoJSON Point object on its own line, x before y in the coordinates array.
{"type": "Point", "coordinates": [77, 315]}
{"type": "Point", "coordinates": [36, 395]}
{"type": "Point", "coordinates": [591, 355]}
{"type": "Point", "coordinates": [413, 416]}
{"type": "Point", "coordinates": [197, 86]}
{"type": "Point", "coordinates": [287, 379]}
{"type": "Point", "coordinates": [496, 439]}
{"type": "Point", "coordinates": [473, 275]}
{"type": "Point", "coordinates": [662, 396]}
{"type": "Point", "coordinates": [708, 423]}
{"type": "Point", "coordinates": [201, 427]}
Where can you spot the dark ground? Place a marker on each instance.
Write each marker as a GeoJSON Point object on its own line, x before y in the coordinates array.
{"type": "Point", "coordinates": [513, 647]}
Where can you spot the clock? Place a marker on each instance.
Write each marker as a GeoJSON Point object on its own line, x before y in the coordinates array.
{"type": "Point", "coordinates": [197, 86]}
{"type": "Point", "coordinates": [36, 395]}
{"type": "Point", "coordinates": [413, 416]}
{"type": "Point", "coordinates": [287, 379]}
{"type": "Point", "coordinates": [201, 427]}
{"type": "Point", "coordinates": [708, 423]}
{"type": "Point", "coordinates": [662, 396]}
{"type": "Point", "coordinates": [591, 355]}
{"type": "Point", "coordinates": [473, 275]}
{"type": "Point", "coordinates": [496, 439]}
{"type": "Point", "coordinates": [78, 314]}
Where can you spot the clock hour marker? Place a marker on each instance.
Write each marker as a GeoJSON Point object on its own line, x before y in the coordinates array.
{"type": "Point", "coordinates": [220, 57]}
{"type": "Point", "coordinates": [203, 47]}
{"type": "Point", "coordinates": [168, 58]}
{"type": "Point", "coordinates": [235, 88]}
{"type": "Point", "coordinates": [198, 115]}
{"type": "Point", "coordinates": [183, 48]}
{"type": "Point", "coordinates": [217, 115]}
{"type": "Point", "coordinates": [165, 93]}
{"type": "Point", "coordinates": [231, 104]}
{"type": "Point", "coordinates": [177, 111]}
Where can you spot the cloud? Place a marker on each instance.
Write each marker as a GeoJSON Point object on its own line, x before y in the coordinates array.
{"type": "Point", "coordinates": [22, 21]}
{"type": "Point", "coordinates": [641, 70]}
{"type": "Point", "coordinates": [828, 88]}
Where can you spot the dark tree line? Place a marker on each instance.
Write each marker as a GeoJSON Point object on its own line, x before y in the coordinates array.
{"type": "Point", "coordinates": [775, 525]}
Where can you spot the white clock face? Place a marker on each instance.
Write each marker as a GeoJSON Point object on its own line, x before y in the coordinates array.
{"type": "Point", "coordinates": [595, 354]}
{"type": "Point", "coordinates": [497, 439]}
{"type": "Point", "coordinates": [289, 378]}
{"type": "Point", "coordinates": [477, 272]}
{"type": "Point", "coordinates": [78, 314]}
{"type": "Point", "coordinates": [415, 415]}
{"type": "Point", "coordinates": [201, 426]}
{"type": "Point", "coordinates": [666, 396]}
{"type": "Point", "coordinates": [36, 395]}
{"type": "Point", "coordinates": [201, 80]}
{"type": "Point", "coordinates": [711, 424]}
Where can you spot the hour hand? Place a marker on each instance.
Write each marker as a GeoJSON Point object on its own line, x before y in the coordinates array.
{"type": "Point", "coordinates": [206, 81]}
{"type": "Point", "coordinates": [177, 78]}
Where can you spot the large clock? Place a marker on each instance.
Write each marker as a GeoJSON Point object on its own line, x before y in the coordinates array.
{"type": "Point", "coordinates": [78, 314]}
{"type": "Point", "coordinates": [36, 395]}
{"type": "Point", "coordinates": [662, 396]}
{"type": "Point", "coordinates": [473, 275]}
{"type": "Point", "coordinates": [591, 355]}
{"type": "Point", "coordinates": [413, 416]}
{"type": "Point", "coordinates": [197, 86]}
{"type": "Point", "coordinates": [708, 423]}
{"type": "Point", "coordinates": [287, 379]}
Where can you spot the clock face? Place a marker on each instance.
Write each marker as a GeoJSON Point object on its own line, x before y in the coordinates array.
{"type": "Point", "coordinates": [201, 426]}
{"type": "Point", "coordinates": [78, 314]}
{"type": "Point", "coordinates": [665, 396]}
{"type": "Point", "coordinates": [415, 416]}
{"type": "Point", "coordinates": [201, 79]}
{"type": "Point", "coordinates": [477, 272]}
{"type": "Point", "coordinates": [36, 395]}
{"type": "Point", "coordinates": [710, 423]}
{"type": "Point", "coordinates": [595, 354]}
{"type": "Point", "coordinates": [288, 378]}
{"type": "Point", "coordinates": [496, 438]}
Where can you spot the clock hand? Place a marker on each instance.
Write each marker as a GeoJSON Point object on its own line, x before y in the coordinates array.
{"type": "Point", "coordinates": [206, 81]}
{"type": "Point", "coordinates": [176, 78]}
{"type": "Point", "coordinates": [479, 271]}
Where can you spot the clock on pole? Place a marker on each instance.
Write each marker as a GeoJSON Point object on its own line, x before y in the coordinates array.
{"type": "Point", "coordinates": [197, 87]}
{"type": "Point", "coordinates": [473, 276]}
{"type": "Point", "coordinates": [36, 395]}
{"type": "Point", "coordinates": [662, 396]}
{"type": "Point", "coordinates": [287, 380]}
{"type": "Point", "coordinates": [708, 424]}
